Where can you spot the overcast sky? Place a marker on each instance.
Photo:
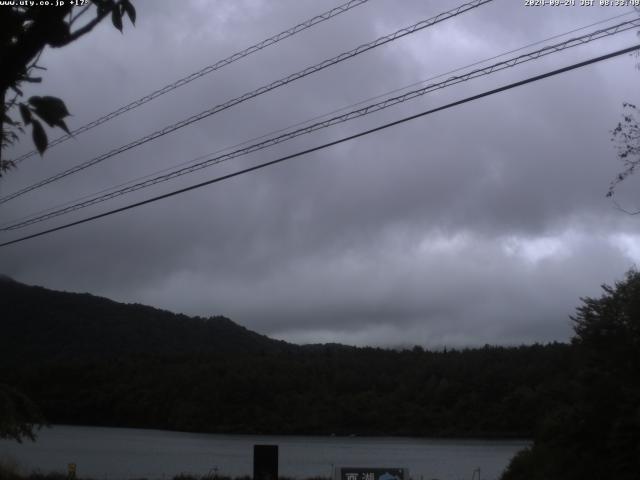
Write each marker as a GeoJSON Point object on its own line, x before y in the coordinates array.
{"type": "Point", "coordinates": [484, 223]}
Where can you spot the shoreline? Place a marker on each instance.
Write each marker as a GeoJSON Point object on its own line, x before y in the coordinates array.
{"type": "Point", "coordinates": [341, 436]}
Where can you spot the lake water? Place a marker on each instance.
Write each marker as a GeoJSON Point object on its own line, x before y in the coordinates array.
{"type": "Point", "coordinates": [123, 453]}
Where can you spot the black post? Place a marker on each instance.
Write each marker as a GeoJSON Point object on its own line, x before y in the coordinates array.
{"type": "Point", "coordinates": [265, 462]}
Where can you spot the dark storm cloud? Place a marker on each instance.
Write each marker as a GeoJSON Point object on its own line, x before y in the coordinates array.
{"type": "Point", "coordinates": [481, 224]}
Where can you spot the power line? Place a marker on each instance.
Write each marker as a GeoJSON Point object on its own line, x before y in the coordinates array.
{"type": "Point", "coordinates": [459, 69]}
{"type": "Point", "coordinates": [479, 62]}
{"type": "Point", "coordinates": [573, 42]}
{"type": "Point", "coordinates": [205, 71]}
{"type": "Point", "coordinates": [330, 144]}
{"type": "Point", "coordinates": [318, 117]}
{"type": "Point", "coordinates": [264, 89]}
{"type": "Point", "coordinates": [332, 121]}
{"type": "Point", "coordinates": [315, 118]}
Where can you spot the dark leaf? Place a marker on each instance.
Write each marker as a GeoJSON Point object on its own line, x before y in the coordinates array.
{"type": "Point", "coordinates": [39, 136]}
{"type": "Point", "coordinates": [51, 109]}
{"type": "Point", "coordinates": [116, 18]}
{"type": "Point", "coordinates": [54, 104]}
{"type": "Point", "coordinates": [129, 10]}
{"type": "Point", "coordinates": [26, 114]}
{"type": "Point", "coordinates": [58, 33]}
{"type": "Point", "coordinates": [63, 126]}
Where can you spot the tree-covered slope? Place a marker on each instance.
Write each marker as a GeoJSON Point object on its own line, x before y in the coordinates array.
{"type": "Point", "coordinates": [89, 360]}
{"type": "Point", "coordinates": [41, 324]}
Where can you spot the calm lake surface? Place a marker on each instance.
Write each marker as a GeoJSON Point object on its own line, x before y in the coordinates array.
{"type": "Point", "coordinates": [123, 453]}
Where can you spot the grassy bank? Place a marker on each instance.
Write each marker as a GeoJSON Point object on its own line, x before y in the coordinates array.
{"type": "Point", "coordinates": [11, 470]}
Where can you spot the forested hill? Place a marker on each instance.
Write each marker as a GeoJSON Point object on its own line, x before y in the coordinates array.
{"type": "Point", "coordinates": [89, 360]}
{"type": "Point", "coordinates": [38, 323]}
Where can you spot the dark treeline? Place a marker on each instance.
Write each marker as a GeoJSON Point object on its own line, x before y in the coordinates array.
{"type": "Point", "coordinates": [88, 360]}
{"type": "Point", "coordinates": [489, 392]}
{"type": "Point", "coordinates": [486, 392]}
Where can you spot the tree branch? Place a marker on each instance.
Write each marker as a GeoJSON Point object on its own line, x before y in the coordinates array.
{"type": "Point", "coordinates": [87, 28]}
{"type": "Point", "coordinates": [35, 61]}
{"type": "Point", "coordinates": [80, 13]}
{"type": "Point", "coordinates": [628, 212]}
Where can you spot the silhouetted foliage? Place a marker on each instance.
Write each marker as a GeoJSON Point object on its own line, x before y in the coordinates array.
{"type": "Point", "coordinates": [12, 472]}
{"type": "Point", "coordinates": [596, 434]}
{"type": "Point", "coordinates": [19, 416]}
{"type": "Point", "coordinates": [627, 138]}
{"type": "Point", "coordinates": [626, 135]}
{"type": "Point", "coordinates": [24, 33]}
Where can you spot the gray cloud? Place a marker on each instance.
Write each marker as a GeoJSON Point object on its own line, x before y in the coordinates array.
{"type": "Point", "coordinates": [481, 224]}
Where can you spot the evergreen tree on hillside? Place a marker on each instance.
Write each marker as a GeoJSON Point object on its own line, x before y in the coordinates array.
{"type": "Point", "coordinates": [597, 434]}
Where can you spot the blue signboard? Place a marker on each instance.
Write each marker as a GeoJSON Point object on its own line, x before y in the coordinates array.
{"type": "Point", "coordinates": [364, 473]}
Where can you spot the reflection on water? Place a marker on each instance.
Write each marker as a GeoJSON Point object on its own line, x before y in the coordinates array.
{"type": "Point", "coordinates": [123, 453]}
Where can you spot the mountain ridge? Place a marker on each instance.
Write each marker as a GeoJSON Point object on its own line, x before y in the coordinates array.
{"type": "Point", "coordinates": [43, 323]}
{"type": "Point", "coordinates": [88, 360]}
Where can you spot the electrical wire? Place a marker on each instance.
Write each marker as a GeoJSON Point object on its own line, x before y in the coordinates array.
{"type": "Point", "coordinates": [330, 144]}
{"type": "Point", "coordinates": [264, 89]}
{"type": "Point", "coordinates": [204, 71]}
{"type": "Point", "coordinates": [573, 42]}
{"type": "Point", "coordinates": [318, 117]}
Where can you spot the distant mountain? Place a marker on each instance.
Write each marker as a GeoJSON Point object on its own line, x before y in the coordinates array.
{"type": "Point", "coordinates": [91, 361]}
{"type": "Point", "coordinates": [38, 323]}
{"type": "Point", "coordinates": [6, 278]}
